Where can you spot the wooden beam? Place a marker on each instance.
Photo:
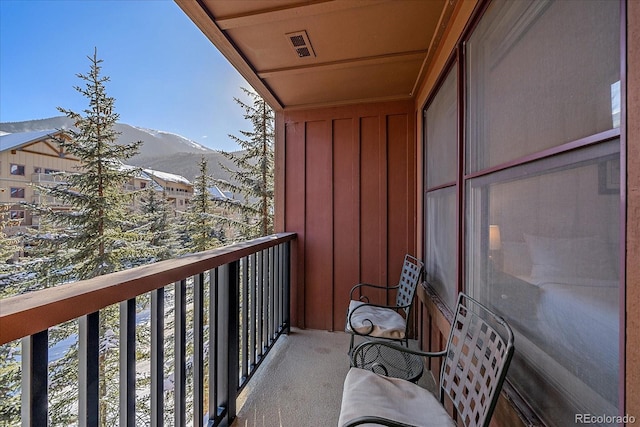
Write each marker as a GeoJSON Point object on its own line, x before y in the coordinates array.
{"type": "Point", "coordinates": [294, 11]}
{"type": "Point", "coordinates": [416, 55]}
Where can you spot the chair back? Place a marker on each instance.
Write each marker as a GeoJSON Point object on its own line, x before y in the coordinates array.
{"type": "Point", "coordinates": [409, 278]}
{"type": "Point", "coordinates": [479, 351]}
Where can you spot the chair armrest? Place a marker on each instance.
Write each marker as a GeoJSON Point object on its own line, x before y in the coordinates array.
{"type": "Point", "coordinates": [365, 346]}
{"type": "Point", "coordinates": [360, 285]}
{"type": "Point", "coordinates": [375, 420]}
{"type": "Point", "coordinates": [368, 322]}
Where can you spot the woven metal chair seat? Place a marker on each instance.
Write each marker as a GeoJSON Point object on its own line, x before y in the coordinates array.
{"type": "Point", "coordinates": [475, 363]}
{"type": "Point", "coordinates": [388, 361]}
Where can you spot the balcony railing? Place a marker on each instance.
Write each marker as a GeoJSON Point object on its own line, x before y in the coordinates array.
{"type": "Point", "coordinates": [247, 288]}
{"type": "Point", "coordinates": [38, 178]}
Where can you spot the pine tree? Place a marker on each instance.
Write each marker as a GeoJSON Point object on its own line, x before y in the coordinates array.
{"type": "Point", "coordinates": [254, 175]}
{"type": "Point", "coordinates": [9, 246]}
{"type": "Point", "coordinates": [158, 230]}
{"type": "Point", "coordinates": [95, 225]}
{"type": "Point", "coordinates": [202, 226]}
{"type": "Point", "coordinates": [9, 362]}
{"type": "Point", "coordinates": [94, 236]}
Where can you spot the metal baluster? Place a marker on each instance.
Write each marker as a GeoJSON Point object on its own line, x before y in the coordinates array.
{"type": "Point", "coordinates": [287, 287]}
{"type": "Point", "coordinates": [259, 305]}
{"type": "Point", "coordinates": [180, 375]}
{"type": "Point", "coordinates": [245, 319]}
{"type": "Point", "coordinates": [265, 301]}
{"type": "Point", "coordinates": [89, 372]}
{"type": "Point", "coordinates": [35, 356]}
{"type": "Point", "coordinates": [198, 350]}
{"type": "Point", "coordinates": [215, 409]}
{"type": "Point", "coordinates": [157, 358]}
{"type": "Point", "coordinates": [233, 347]}
{"type": "Point", "coordinates": [128, 363]}
{"type": "Point", "coordinates": [253, 281]}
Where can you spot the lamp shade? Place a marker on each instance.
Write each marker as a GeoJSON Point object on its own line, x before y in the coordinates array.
{"type": "Point", "coordinates": [495, 242]}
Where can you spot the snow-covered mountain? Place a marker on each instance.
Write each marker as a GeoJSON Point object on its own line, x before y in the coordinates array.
{"type": "Point", "coordinates": [155, 142]}
{"type": "Point", "coordinates": [163, 151]}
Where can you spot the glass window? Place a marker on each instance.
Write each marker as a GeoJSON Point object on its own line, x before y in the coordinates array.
{"type": "Point", "coordinates": [441, 172]}
{"type": "Point", "coordinates": [541, 74]}
{"type": "Point", "coordinates": [17, 193]}
{"type": "Point", "coordinates": [542, 243]}
{"type": "Point", "coordinates": [543, 252]}
{"type": "Point", "coordinates": [16, 169]}
{"type": "Point", "coordinates": [441, 134]}
{"type": "Point", "coordinates": [441, 243]}
{"type": "Point", "coordinates": [16, 214]}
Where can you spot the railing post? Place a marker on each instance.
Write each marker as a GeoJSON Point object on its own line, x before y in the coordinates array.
{"type": "Point", "coordinates": [214, 356]}
{"type": "Point", "coordinates": [157, 358]}
{"type": "Point", "coordinates": [198, 349]}
{"type": "Point", "coordinates": [179, 373]}
{"type": "Point", "coordinates": [233, 347]}
{"type": "Point", "coordinates": [128, 363]}
{"type": "Point", "coordinates": [35, 356]}
{"type": "Point", "coordinates": [89, 376]}
{"type": "Point", "coordinates": [287, 287]}
{"type": "Point", "coordinates": [245, 319]}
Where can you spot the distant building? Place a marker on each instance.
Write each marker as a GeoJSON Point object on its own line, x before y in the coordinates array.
{"type": "Point", "coordinates": [32, 159]}
{"type": "Point", "coordinates": [178, 189]}
{"type": "Point", "coordinates": [28, 159]}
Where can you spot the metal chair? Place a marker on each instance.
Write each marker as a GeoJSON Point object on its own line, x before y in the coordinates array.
{"type": "Point", "coordinates": [475, 364]}
{"type": "Point", "coordinates": [381, 321]}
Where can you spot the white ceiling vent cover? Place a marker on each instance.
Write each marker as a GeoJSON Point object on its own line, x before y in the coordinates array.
{"type": "Point", "coordinates": [301, 44]}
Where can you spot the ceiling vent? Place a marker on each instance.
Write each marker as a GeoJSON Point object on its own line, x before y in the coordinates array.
{"type": "Point", "coordinates": [301, 44]}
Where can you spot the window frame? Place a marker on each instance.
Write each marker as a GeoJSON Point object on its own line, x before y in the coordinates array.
{"type": "Point", "coordinates": [458, 55]}
{"type": "Point", "coordinates": [20, 169]}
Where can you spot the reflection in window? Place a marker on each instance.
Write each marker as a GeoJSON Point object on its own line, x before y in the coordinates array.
{"type": "Point", "coordinates": [553, 273]}
{"type": "Point", "coordinates": [17, 193]}
{"type": "Point", "coordinates": [542, 75]}
{"type": "Point", "coordinates": [17, 214]}
{"type": "Point", "coordinates": [16, 169]}
{"type": "Point", "coordinates": [542, 243]}
{"type": "Point", "coordinates": [441, 171]}
{"type": "Point", "coordinates": [441, 243]}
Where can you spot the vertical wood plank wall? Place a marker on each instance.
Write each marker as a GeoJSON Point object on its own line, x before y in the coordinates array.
{"type": "Point", "coordinates": [347, 180]}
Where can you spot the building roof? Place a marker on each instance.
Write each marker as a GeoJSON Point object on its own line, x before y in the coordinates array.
{"type": "Point", "coordinates": [216, 193]}
{"type": "Point", "coordinates": [165, 176]}
{"type": "Point", "coordinates": [16, 140]}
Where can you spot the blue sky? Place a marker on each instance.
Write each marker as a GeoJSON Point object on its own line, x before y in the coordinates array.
{"type": "Point", "coordinates": [165, 74]}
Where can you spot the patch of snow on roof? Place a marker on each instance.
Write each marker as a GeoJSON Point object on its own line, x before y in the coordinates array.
{"type": "Point", "coordinates": [216, 193]}
{"type": "Point", "coordinates": [165, 176]}
{"type": "Point", "coordinates": [14, 140]}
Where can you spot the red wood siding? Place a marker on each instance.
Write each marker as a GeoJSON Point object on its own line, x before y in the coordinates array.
{"type": "Point", "coordinates": [349, 190]}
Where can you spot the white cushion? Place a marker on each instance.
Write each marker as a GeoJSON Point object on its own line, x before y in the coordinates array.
{"type": "Point", "coordinates": [368, 394]}
{"type": "Point", "coordinates": [387, 323]}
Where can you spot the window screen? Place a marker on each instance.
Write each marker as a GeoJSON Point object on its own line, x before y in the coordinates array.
{"type": "Point", "coordinates": [542, 243]}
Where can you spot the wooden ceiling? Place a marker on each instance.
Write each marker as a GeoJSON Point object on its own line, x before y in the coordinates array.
{"type": "Point", "coordinates": [358, 50]}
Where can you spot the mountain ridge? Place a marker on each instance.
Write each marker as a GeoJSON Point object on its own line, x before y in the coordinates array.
{"type": "Point", "coordinates": [161, 150]}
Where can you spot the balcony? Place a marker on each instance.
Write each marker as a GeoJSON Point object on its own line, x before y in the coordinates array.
{"type": "Point", "coordinates": [211, 344]}
{"type": "Point", "coordinates": [47, 178]}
